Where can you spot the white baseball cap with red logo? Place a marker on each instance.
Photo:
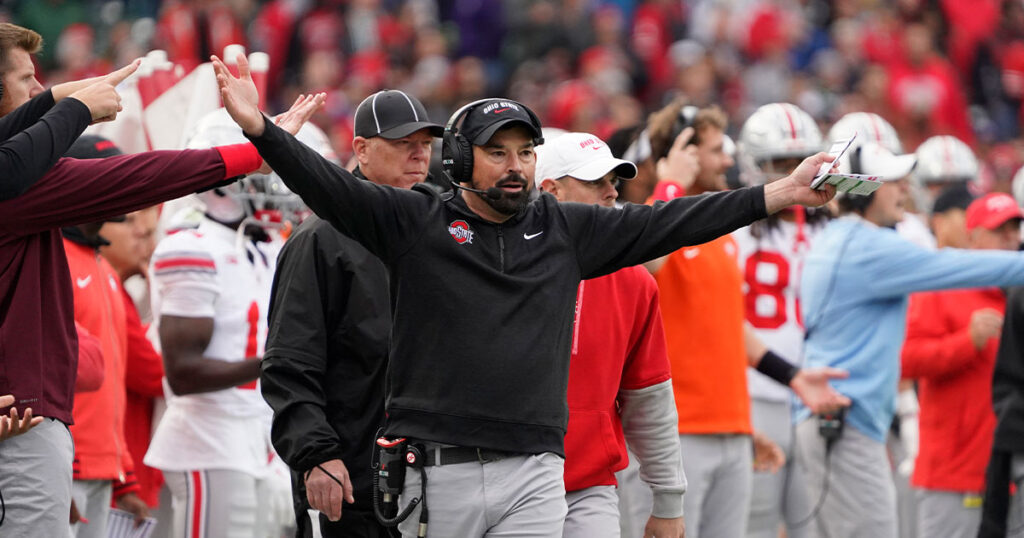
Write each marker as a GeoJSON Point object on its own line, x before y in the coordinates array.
{"type": "Point", "coordinates": [580, 155]}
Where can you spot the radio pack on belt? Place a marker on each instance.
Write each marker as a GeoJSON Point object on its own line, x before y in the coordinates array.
{"type": "Point", "coordinates": [830, 426]}
{"type": "Point", "coordinates": [393, 456]}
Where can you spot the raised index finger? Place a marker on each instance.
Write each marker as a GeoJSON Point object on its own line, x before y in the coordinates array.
{"type": "Point", "coordinates": [118, 76]}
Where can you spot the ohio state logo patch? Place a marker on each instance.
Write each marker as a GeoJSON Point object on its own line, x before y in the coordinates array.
{"type": "Point", "coordinates": [460, 232]}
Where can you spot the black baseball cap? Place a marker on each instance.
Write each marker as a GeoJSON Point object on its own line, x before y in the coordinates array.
{"type": "Point", "coordinates": [392, 114]}
{"type": "Point", "coordinates": [956, 196]}
{"type": "Point", "coordinates": [486, 118]}
{"type": "Point", "coordinates": [92, 147]}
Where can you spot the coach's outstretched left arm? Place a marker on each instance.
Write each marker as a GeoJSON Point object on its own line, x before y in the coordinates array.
{"type": "Point", "coordinates": [241, 101]}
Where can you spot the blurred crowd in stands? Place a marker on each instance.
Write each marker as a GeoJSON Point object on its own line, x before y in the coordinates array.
{"type": "Point", "coordinates": [928, 66]}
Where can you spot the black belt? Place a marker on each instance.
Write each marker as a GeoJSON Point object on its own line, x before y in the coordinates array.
{"type": "Point", "coordinates": [463, 454]}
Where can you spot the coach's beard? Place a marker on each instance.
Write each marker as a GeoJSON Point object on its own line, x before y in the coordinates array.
{"type": "Point", "coordinates": [509, 203]}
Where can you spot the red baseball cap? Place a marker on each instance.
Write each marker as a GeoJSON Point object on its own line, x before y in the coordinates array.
{"type": "Point", "coordinates": [992, 211]}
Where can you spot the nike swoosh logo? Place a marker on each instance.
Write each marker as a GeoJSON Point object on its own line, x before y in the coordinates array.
{"type": "Point", "coordinates": [531, 236]}
{"type": "Point", "coordinates": [83, 282]}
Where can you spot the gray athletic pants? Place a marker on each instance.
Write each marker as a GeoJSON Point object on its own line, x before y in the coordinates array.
{"type": "Point", "coordinates": [593, 513]}
{"type": "Point", "coordinates": [212, 504]}
{"type": "Point", "coordinates": [719, 470]}
{"type": "Point", "coordinates": [948, 514]}
{"type": "Point", "coordinates": [860, 501]}
{"type": "Point", "coordinates": [35, 481]}
{"type": "Point", "coordinates": [636, 501]}
{"type": "Point", "coordinates": [92, 498]}
{"type": "Point", "coordinates": [520, 496]}
{"type": "Point", "coordinates": [780, 496]}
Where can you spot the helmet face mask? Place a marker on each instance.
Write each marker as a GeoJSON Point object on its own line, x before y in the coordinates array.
{"type": "Point", "coordinates": [772, 135]}
{"type": "Point", "coordinates": [262, 198]}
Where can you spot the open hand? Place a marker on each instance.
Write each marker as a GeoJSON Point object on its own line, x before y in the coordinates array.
{"type": "Point", "coordinates": [241, 99]}
{"type": "Point", "coordinates": [301, 110]}
{"type": "Point", "coordinates": [812, 387]}
{"type": "Point", "coordinates": [295, 117]}
{"type": "Point", "coordinates": [14, 425]}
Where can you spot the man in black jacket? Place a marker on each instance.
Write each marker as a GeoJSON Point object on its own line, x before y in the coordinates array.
{"type": "Point", "coordinates": [483, 287]}
{"type": "Point", "coordinates": [330, 321]}
{"type": "Point", "coordinates": [1006, 463]}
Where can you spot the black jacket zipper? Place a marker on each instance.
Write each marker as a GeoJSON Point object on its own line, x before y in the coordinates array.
{"type": "Point", "coordinates": [501, 249]}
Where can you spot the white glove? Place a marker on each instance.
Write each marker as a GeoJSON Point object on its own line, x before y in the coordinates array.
{"type": "Point", "coordinates": [907, 408]}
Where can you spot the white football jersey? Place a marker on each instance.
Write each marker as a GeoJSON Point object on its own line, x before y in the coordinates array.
{"type": "Point", "coordinates": [204, 269]}
{"type": "Point", "coordinates": [771, 267]}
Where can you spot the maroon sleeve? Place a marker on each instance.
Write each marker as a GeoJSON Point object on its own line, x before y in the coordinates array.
{"type": "Point", "coordinates": [82, 191]}
{"type": "Point", "coordinates": [145, 368]}
{"type": "Point", "coordinates": [90, 362]}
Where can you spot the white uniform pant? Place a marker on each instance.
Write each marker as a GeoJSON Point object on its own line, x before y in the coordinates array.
{"type": "Point", "coordinates": [212, 504]}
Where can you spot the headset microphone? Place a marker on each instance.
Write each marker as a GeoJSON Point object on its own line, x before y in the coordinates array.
{"type": "Point", "coordinates": [494, 193]}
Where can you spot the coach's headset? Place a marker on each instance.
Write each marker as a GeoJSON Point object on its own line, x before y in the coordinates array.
{"type": "Point", "coordinates": [457, 150]}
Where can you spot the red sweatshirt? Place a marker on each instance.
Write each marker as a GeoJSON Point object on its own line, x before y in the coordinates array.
{"type": "Point", "coordinates": [100, 449]}
{"type": "Point", "coordinates": [954, 387]}
{"type": "Point", "coordinates": [144, 383]}
{"type": "Point", "coordinates": [38, 344]}
{"type": "Point", "coordinates": [618, 344]}
{"type": "Point", "coordinates": [90, 361]}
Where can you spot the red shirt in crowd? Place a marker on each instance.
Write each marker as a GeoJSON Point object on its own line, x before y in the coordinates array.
{"type": "Point", "coordinates": [144, 383]}
{"type": "Point", "coordinates": [954, 387]}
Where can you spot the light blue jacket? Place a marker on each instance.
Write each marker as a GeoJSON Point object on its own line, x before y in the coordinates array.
{"type": "Point", "coordinates": [853, 293]}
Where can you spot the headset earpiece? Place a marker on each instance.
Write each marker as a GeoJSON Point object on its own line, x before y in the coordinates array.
{"type": "Point", "coordinates": [457, 156]}
{"type": "Point", "coordinates": [456, 151]}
